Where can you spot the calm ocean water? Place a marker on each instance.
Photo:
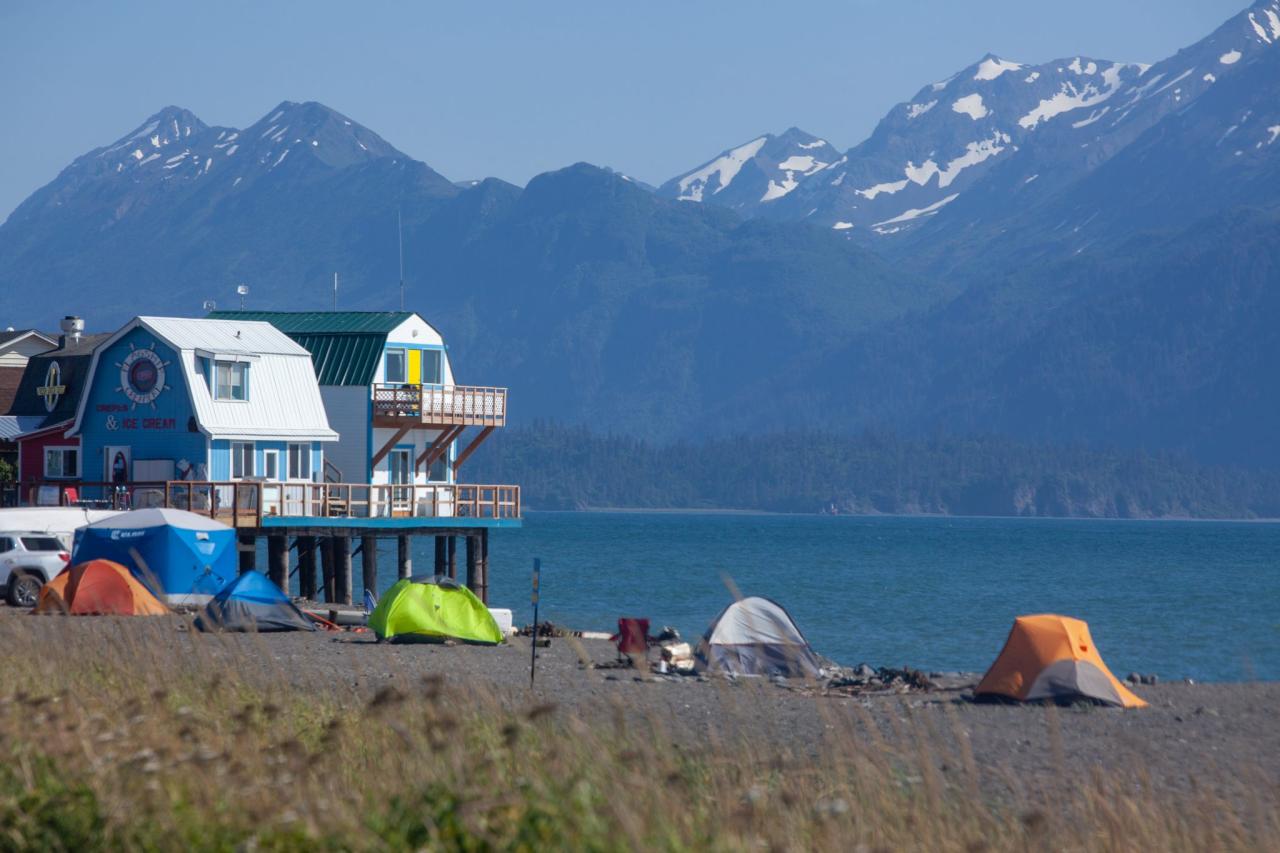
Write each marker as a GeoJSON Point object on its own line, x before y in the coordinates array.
{"type": "Point", "coordinates": [1198, 599]}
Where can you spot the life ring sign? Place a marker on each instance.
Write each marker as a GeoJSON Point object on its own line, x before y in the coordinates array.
{"type": "Point", "coordinates": [52, 389]}
{"type": "Point", "coordinates": [142, 376]}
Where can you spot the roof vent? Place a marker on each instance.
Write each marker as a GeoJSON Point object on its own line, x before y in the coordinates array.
{"type": "Point", "coordinates": [72, 328]}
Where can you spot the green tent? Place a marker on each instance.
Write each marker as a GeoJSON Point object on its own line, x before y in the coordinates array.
{"type": "Point", "coordinates": [433, 609]}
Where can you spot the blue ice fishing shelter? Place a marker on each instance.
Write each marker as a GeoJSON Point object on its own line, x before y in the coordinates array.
{"type": "Point", "coordinates": [252, 602]}
{"type": "Point", "coordinates": [182, 556]}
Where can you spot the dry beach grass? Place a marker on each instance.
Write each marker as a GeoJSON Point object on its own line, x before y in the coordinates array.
{"type": "Point", "coordinates": [138, 734]}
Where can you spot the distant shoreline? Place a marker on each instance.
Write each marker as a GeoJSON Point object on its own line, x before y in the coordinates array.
{"type": "Point", "coordinates": [622, 510]}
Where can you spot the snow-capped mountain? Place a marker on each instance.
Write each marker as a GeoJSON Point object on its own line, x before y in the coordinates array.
{"type": "Point", "coordinates": [173, 151]}
{"type": "Point", "coordinates": [1039, 127]}
{"type": "Point", "coordinates": [755, 173]}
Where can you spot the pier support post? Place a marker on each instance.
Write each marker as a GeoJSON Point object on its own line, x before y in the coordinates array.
{"type": "Point", "coordinates": [342, 569]}
{"type": "Point", "coordinates": [327, 564]}
{"type": "Point", "coordinates": [247, 547]}
{"type": "Point", "coordinates": [307, 567]}
{"type": "Point", "coordinates": [452, 556]}
{"type": "Point", "coordinates": [278, 561]}
{"type": "Point", "coordinates": [404, 556]}
{"type": "Point", "coordinates": [440, 567]}
{"type": "Point", "coordinates": [369, 563]}
{"type": "Point", "coordinates": [483, 568]}
{"type": "Point", "coordinates": [472, 554]}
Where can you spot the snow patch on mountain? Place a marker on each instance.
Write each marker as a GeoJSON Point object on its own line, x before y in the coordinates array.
{"type": "Point", "coordinates": [1072, 97]}
{"type": "Point", "coordinates": [1274, 130]}
{"type": "Point", "coordinates": [917, 110]}
{"type": "Point", "coordinates": [1231, 57]}
{"type": "Point", "coordinates": [725, 168]}
{"type": "Point", "coordinates": [887, 188]}
{"type": "Point", "coordinates": [914, 213]}
{"type": "Point", "coordinates": [992, 67]}
{"type": "Point", "coordinates": [972, 106]}
{"type": "Point", "coordinates": [842, 226]}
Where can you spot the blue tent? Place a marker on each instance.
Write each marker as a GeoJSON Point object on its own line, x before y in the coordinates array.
{"type": "Point", "coordinates": [251, 602]}
{"type": "Point", "coordinates": [179, 555]}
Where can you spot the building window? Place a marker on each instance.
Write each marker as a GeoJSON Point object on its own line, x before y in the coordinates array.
{"type": "Point", "coordinates": [241, 459]}
{"type": "Point", "coordinates": [397, 370]}
{"type": "Point", "coordinates": [439, 471]}
{"type": "Point", "coordinates": [61, 462]}
{"type": "Point", "coordinates": [299, 462]}
{"type": "Point", "coordinates": [230, 380]}
{"type": "Point", "coordinates": [431, 367]}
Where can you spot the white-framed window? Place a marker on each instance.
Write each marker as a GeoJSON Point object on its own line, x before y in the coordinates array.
{"type": "Point", "coordinates": [431, 367]}
{"type": "Point", "coordinates": [397, 371]}
{"type": "Point", "coordinates": [241, 460]}
{"type": "Point", "coordinates": [400, 466]}
{"type": "Point", "coordinates": [230, 380]}
{"type": "Point", "coordinates": [299, 462]}
{"type": "Point", "coordinates": [271, 464]}
{"type": "Point", "coordinates": [61, 462]}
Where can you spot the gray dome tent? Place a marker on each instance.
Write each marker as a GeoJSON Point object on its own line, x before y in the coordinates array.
{"type": "Point", "coordinates": [756, 636]}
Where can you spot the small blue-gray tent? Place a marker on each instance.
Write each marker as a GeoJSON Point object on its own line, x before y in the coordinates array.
{"type": "Point", "coordinates": [756, 636]}
{"type": "Point", "coordinates": [252, 602]}
{"type": "Point", "coordinates": [182, 556]}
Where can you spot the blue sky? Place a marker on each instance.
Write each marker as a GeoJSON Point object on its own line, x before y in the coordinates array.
{"type": "Point", "coordinates": [512, 89]}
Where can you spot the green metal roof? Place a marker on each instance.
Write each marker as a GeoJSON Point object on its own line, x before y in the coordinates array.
{"type": "Point", "coordinates": [348, 359]}
{"type": "Point", "coordinates": [345, 346]}
{"type": "Point", "coordinates": [322, 322]}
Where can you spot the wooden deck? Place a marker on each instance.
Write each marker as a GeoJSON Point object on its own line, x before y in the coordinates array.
{"type": "Point", "coordinates": [257, 504]}
{"type": "Point", "coordinates": [439, 405]}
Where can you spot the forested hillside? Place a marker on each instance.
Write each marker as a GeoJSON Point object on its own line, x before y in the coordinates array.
{"type": "Point", "coordinates": [564, 467]}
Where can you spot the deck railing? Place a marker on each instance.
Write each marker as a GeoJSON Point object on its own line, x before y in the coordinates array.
{"type": "Point", "coordinates": [244, 503]}
{"type": "Point", "coordinates": [462, 405]}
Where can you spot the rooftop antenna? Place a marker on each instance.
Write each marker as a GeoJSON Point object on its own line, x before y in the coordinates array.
{"type": "Point", "coordinates": [400, 231]}
{"type": "Point", "coordinates": [335, 291]}
{"type": "Point", "coordinates": [243, 290]}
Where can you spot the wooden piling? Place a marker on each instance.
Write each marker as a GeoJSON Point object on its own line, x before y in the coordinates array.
{"type": "Point", "coordinates": [440, 567]}
{"type": "Point", "coordinates": [247, 546]}
{"type": "Point", "coordinates": [342, 569]}
{"type": "Point", "coordinates": [404, 556]}
{"type": "Point", "coordinates": [483, 568]}
{"type": "Point", "coordinates": [278, 561]}
{"type": "Point", "coordinates": [307, 567]}
{"type": "Point", "coordinates": [451, 557]}
{"type": "Point", "coordinates": [472, 549]}
{"type": "Point", "coordinates": [369, 562]}
{"type": "Point", "coordinates": [327, 567]}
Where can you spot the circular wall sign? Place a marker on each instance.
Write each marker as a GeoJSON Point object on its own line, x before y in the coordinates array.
{"type": "Point", "coordinates": [142, 376]}
{"type": "Point", "coordinates": [52, 389]}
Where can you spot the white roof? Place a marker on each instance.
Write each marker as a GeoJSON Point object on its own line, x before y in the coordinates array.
{"type": "Point", "coordinates": [12, 426]}
{"type": "Point", "coordinates": [141, 518]}
{"type": "Point", "coordinates": [284, 397]}
{"type": "Point", "coordinates": [232, 337]}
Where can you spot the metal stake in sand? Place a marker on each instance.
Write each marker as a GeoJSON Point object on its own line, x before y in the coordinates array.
{"type": "Point", "coordinates": [533, 645]}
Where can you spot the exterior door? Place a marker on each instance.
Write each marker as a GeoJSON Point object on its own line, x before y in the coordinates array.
{"type": "Point", "coordinates": [401, 462]}
{"type": "Point", "coordinates": [117, 463]}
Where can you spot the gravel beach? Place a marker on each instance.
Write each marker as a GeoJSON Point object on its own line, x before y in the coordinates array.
{"type": "Point", "coordinates": [1212, 736]}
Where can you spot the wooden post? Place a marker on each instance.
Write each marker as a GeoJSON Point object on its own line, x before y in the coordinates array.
{"type": "Point", "coordinates": [247, 546]}
{"type": "Point", "coordinates": [307, 567]}
{"type": "Point", "coordinates": [452, 556]}
{"type": "Point", "coordinates": [278, 561]}
{"type": "Point", "coordinates": [369, 562]}
{"type": "Point", "coordinates": [472, 548]}
{"type": "Point", "coordinates": [483, 569]}
{"type": "Point", "coordinates": [440, 567]}
{"type": "Point", "coordinates": [327, 567]}
{"type": "Point", "coordinates": [342, 569]}
{"type": "Point", "coordinates": [404, 556]}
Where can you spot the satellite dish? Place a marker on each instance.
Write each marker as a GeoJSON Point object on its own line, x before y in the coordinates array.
{"type": "Point", "coordinates": [242, 289]}
{"type": "Point", "coordinates": [210, 305]}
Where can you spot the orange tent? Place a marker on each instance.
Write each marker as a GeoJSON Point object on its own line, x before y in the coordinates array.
{"type": "Point", "coordinates": [1053, 657]}
{"type": "Point", "coordinates": [97, 587]}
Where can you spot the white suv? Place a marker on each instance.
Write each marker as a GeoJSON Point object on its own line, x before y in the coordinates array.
{"type": "Point", "coordinates": [27, 562]}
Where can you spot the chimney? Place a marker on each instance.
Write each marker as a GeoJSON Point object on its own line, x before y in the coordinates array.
{"type": "Point", "coordinates": [72, 327]}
